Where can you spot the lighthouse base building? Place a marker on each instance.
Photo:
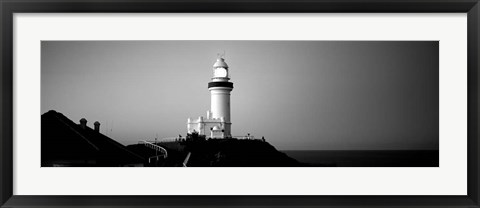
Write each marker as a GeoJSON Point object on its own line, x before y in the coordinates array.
{"type": "Point", "coordinates": [210, 127]}
{"type": "Point", "coordinates": [217, 123]}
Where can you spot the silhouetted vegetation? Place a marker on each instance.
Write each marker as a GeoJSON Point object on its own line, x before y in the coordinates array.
{"type": "Point", "coordinates": [235, 153]}
{"type": "Point", "coordinates": [218, 153]}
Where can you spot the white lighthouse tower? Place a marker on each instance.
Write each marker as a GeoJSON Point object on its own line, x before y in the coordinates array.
{"type": "Point", "coordinates": [217, 124]}
{"type": "Point", "coordinates": [220, 89]}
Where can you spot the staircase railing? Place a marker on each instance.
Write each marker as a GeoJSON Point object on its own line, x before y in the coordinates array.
{"type": "Point", "coordinates": [151, 145]}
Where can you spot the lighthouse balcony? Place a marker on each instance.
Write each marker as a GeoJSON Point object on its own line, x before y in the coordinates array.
{"type": "Point", "coordinates": [220, 84]}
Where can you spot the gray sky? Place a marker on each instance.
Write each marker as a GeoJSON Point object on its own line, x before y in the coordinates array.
{"type": "Point", "coordinates": [298, 94]}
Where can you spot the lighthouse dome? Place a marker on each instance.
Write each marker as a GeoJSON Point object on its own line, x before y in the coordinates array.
{"type": "Point", "coordinates": [220, 63]}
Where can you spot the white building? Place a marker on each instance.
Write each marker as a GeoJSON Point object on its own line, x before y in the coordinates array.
{"type": "Point", "coordinates": [217, 123]}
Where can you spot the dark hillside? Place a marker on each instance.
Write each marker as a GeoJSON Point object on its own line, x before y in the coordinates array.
{"type": "Point", "coordinates": [219, 153]}
{"type": "Point", "coordinates": [175, 158]}
{"type": "Point", "coordinates": [237, 153]}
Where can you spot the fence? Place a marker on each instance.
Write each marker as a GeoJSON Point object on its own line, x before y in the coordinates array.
{"type": "Point", "coordinates": [151, 145]}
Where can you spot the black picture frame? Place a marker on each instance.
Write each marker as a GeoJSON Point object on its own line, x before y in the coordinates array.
{"type": "Point", "coordinates": [9, 7]}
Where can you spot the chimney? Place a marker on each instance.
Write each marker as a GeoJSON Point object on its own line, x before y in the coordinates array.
{"type": "Point", "coordinates": [96, 126]}
{"type": "Point", "coordinates": [83, 123]}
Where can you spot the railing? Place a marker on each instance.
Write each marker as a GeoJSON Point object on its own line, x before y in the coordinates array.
{"type": "Point", "coordinates": [246, 137]}
{"type": "Point", "coordinates": [151, 145]}
{"type": "Point", "coordinates": [156, 158]}
{"type": "Point", "coordinates": [166, 139]}
{"type": "Point", "coordinates": [185, 162]}
{"type": "Point", "coordinates": [176, 139]}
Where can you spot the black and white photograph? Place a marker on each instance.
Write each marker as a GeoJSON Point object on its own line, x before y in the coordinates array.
{"type": "Point", "coordinates": [239, 103]}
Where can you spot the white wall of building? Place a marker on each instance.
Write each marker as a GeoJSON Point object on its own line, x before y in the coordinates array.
{"type": "Point", "coordinates": [203, 126]}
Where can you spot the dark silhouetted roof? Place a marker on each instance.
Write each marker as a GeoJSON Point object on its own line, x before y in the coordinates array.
{"type": "Point", "coordinates": [64, 140]}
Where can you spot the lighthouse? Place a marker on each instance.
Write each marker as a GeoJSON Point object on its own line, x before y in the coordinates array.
{"type": "Point", "coordinates": [220, 89]}
{"type": "Point", "coordinates": [217, 124]}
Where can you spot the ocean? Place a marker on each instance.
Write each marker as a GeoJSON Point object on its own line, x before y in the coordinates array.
{"type": "Point", "coordinates": [366, 158]}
